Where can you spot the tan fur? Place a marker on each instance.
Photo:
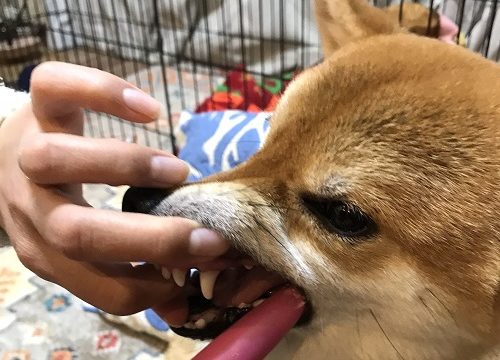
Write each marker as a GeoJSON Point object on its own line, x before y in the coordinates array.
{"type": "Point", "coordinates": [407, 128]}
{"type": "Point", "coordinates": [340, 22]}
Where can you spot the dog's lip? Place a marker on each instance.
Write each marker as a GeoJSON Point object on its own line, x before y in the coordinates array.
{"type": "Point", "coordinates": [236, 292]}
{"type": "Point", "coordinates": [232, 300]}
{"type": "Point", "coordinates": [237, 286]}
{"type": "Point", "coordinates": [236, 283]}
{"type": "Point", "coordinates": [251, 285]}
{"type": "Point", "coordinates": [226, 317]}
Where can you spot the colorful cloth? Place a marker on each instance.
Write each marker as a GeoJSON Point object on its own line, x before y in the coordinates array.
{"type": "Point", "coordinates": [241, 91]}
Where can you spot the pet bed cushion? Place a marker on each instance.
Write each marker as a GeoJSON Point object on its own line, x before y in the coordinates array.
{"type": "Point", "coordinates": [220, 140]}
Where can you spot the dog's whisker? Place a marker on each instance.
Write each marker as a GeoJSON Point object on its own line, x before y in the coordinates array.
{"type": "Point", "coordinates": [266, 229]}
{"type": "Point", "coordinates": [385, 334]}
{"type": "Point", "coordinates": [276, 207]}
{"type": "Point", "coordinates": [358, 332]}
{"type": "Point", "coordinates": [442, 304]}
{"type": "Point", "coordinates": [421, 299]}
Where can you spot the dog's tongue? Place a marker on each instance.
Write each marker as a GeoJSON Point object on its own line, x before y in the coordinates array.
{"type": "Point", "coordinates": [258, 332]}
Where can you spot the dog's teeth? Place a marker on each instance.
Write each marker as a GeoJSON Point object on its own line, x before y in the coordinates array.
{"type": "Point", "coordinates": [243, 305]}
{"type": "Point", "coordinates": [165, 273]}
{"type": "Point", "coordinates": [189, 325]}
{"type": "Point", "coordinates": [207, 282]}
{"type": "Point", "coordinates": [248, 264]}
{"type": "Point", "coordinates": [179, 277]}
{"type": "Point", "coordinates": [200, 323]}
{"type": "Point", "coordinates": [257, 302]}
{"type": "Point", "coordinates": [209, 316]}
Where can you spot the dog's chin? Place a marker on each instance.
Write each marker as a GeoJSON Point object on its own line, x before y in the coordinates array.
{"type": "Point", "coordinates": [209, 318]}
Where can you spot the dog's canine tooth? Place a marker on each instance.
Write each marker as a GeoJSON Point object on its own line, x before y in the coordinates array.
{"type": "Point", "coordinates": [207, 282]}
{"type": "Point", "coordinates": [165, 273]}
{"type": "Point", "coordinates": [179, 277]}
{"type": "Point", "coordinates": [200, 323]}
{"type": "Point", "coordinates": [248, 264]}
{"type": "Point", "coordinates": [257, 302]}
{"type": "Point", "coordinates": [209, 316]}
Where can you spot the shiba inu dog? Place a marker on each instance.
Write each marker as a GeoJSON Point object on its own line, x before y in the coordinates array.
{"type": "Point", "coordinates": [377, 193]}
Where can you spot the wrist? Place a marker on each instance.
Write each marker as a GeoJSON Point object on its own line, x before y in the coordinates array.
{"type": "Point", "coordinates": [10, 101]}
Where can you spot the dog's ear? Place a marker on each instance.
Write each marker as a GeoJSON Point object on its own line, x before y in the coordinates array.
{"type": "Point", "coordinates": [415, 18]}
{"type": "Point", "coordinates": [341, 22]}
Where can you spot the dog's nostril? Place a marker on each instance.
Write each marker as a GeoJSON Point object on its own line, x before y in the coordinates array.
{"type": "Point", "coordinates": [143, 200]}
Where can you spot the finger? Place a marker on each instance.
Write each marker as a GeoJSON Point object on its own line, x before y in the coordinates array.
{"type": "Point", "coordinates": [115, 288]}
{"type": "Point", "coordinates": [174, 312]}
{"type": "Point", "coordinates": [50, 158]}
{"type": "Point", "coordinates": [88, 234]}
{"type": "Point", "coordinates": [118, 289]}
{"type": "Point", "coordinates": [60, 90]}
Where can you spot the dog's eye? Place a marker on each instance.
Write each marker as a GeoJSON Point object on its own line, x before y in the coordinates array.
{"type": "Point", "coordinates": [343, 218]}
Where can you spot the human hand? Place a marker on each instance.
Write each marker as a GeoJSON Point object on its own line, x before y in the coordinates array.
{"type": "Point", "coordinates": [56, 234]}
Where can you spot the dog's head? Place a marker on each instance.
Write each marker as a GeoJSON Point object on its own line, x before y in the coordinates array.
{"type": "Point", "coordinates": [377, 193]}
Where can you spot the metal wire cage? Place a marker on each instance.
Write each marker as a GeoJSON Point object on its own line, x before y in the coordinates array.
{"type": "Point", "coordinates": [180, 51]}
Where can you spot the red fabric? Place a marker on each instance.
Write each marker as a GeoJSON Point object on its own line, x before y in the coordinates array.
{"type": "Point", "coordinates": [240, 91]}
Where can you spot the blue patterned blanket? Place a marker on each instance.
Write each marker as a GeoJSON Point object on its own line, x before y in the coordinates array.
{"type": "Point", "coordinates": [220, 140]}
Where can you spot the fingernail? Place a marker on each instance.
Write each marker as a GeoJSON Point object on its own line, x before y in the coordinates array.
{"type": "Point", "coordinates": [141, 102]}
{"type": "Point", "coordinates": [205, 242]}
{"type": "Point", "coordinates": [168, 170]}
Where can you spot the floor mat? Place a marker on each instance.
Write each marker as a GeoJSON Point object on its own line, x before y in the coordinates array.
{"type": "Point", "coordinates": [40, 320]}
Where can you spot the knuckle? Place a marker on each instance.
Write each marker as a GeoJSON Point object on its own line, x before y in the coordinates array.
{"type": "Point", "coordinates": [41, 74]}
{"type": "Point", "coordinates": [99, 81]}
{"type": "Point", "coordinates": [178, 227]}
{"type": "Point", "coordinates": [138, 159]}
{"type": "Point", "coordinates": [33, 263]}
{"type": "Point", "coordinates": [36, 157]}
{"type": "Point", "coordinates": [26, 258]}
{"type": "Point", "coordinates": [16, 211]}
{"type": "Point", "coordinates": [172, 237]}
{"type": "Point", "coordinates": [67, 238]}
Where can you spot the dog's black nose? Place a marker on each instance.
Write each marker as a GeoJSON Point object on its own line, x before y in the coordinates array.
{"type": "Point", "coordinates": [143, 200]}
